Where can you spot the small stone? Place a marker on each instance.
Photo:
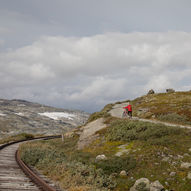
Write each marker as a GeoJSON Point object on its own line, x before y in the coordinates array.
{"type": "Point", "coordinates": [174, 163]}
{"type": "Point", "coordinates": [166, 183]}
{"type": "Point", "coordinates": [189, 175]}
{"type": "Point", "coordinates": [186, 155]}
{"type": "Point", "coordinates": [180, 157]}
{"type": "Point", "coordinates": [165, 159]}
{"type": "Point", "coordinates": [156, 186]}
{"type": "Point", "coordinates": [123, 173]}
{"type": "Point", "coordinates": [172, 173]}
{"type": "Point", "coordinates": [101, 157]}
{"type": "Point", "coordinates": [185, 165]}
{"type": "Point", "coordinates": [189, 149]}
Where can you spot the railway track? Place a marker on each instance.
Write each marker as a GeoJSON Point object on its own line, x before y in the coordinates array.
{"type": "Point", "coordinates": [15, 175]}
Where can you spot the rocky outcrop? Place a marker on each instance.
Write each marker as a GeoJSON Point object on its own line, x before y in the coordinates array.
{"type": "Point", "coordinates": [89, 132]}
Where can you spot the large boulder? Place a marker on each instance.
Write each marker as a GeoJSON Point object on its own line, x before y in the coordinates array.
{"type": "Point", "coordinates": [88, 134]}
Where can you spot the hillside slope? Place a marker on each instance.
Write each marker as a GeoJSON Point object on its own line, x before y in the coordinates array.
{"type": "Point", "coordinates": [111, 153]}
{"type": "Point", "coordinates": [171, 107]}
{"type": "Point", "coordinates": [18, 116]}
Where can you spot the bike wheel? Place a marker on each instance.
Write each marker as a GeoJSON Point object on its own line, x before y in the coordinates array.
{"type": "Point", "coordinates": [124, 115]}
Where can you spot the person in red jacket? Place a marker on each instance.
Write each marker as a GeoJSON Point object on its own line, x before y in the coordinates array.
{"type": "Point", "coordinates": [129, 109]}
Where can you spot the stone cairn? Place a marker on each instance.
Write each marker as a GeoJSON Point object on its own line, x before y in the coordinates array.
{"type": "Point", "coordinates": [151, 91]}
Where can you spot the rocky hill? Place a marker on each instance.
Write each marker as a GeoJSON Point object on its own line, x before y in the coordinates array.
{"type": "Point", "coordinates": [18, 116]}
{"type": "Point", "coordinates": [114, 153]}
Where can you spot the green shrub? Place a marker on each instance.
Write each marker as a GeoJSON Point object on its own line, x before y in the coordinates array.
{"type": "Point", "coordinates": [19, 137]}
{"type": "Point", "coordinates": [27, 136]}
{"type": "Point", "coordinates": [116, 164]}
{"type": "Point", "coordinates": [175, 118]}
{"type": "Point", "coordinates": [47, 156]}
{"type": "Point", "coordinates": [125, 130]}
{"type": "Point", "coordinates": [83, 157]}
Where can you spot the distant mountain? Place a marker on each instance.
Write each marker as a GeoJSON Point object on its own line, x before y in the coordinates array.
{"type": "Point", "coordinates": [18, 116]}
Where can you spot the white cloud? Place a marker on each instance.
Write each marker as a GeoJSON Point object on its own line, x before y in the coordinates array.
{"type": "Point", "coordinates": [76, 72]}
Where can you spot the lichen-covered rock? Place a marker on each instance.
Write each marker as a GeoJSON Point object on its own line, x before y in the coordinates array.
{"type": "Point", "coordinates": [142, 184]}
{"type": "Point", "coordinates": [172, 173]}
{"type": "Point", "coordinates": [189, 176]}
{"type": "Point", "coordinates": [101, 157]}
{"type": "Point", "coordinates": [185, 165]}
{"type": "Point", "coordinates": [156, 186]}
{"type": "Point", "coordinates": [123, 173]}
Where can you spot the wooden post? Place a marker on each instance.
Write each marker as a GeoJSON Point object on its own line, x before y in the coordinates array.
{"type": "Point", "coordinates": [62, 137]}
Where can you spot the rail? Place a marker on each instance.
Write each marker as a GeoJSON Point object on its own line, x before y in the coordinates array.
{"type": "Point", "coordinates": [26, 169]}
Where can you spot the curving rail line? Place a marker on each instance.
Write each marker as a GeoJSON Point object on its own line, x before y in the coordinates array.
{"type": "Point", "coordinates": [11, 175]}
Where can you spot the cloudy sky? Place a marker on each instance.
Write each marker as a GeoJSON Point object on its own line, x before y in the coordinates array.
{"type": "Point", "coordinates": [83, 54]}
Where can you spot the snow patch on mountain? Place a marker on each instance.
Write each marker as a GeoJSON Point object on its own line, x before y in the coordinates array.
{"type": "Point", "coordinates": [58, 115]}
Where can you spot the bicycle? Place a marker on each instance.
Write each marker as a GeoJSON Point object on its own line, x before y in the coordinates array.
{"type": "Point", "coordinates": [125, 113]}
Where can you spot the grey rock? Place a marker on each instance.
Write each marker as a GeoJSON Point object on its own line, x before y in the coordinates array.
{"type": "Point", "coordinates": [186, 155]}
{"type": "Point", "coordinates": [172, 173]}
{"type": "Point", "coordinates": [142, 184]}
{"type": "Point", "coordinates": [101, 157]}
{"type": "Point", "coordinates": [166, 183]}
{"type": "Point", "coordinates": [156, 186]}
{"type": "Point", "coordinates": [189, 176]}
{"type": "Point", "coordinates": [185, 165]}
{"type": "Point", "coordinates": [165, 159]}
{"type": "Point", "coordinates": [122, 150]}
{"type": "Point", "coordinates": [180, 157]}
{"type": "Point", "coordinates": [189, 149]}
{"type": "Point", "coordinates": [123, 173]}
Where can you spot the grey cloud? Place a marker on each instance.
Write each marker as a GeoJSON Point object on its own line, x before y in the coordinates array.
{"type": "Point", "coordinates": [89, 72]}
{"type": "Point", "coordinates": [27, 21]}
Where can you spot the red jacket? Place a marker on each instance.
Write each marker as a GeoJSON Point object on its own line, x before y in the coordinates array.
{"type": "Point", "coordinates": [129, 107]}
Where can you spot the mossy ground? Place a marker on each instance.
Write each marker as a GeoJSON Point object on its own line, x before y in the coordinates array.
{"type": "Point", "coordinates": [154, 151]}
{"type": "Point", "coordinates": [19, 137]}
{"type": "Point", "coordinates": [62, 162]}
{"type": "Point", "coordinates": [171, 107]}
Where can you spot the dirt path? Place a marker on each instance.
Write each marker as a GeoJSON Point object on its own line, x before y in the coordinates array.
{"type": "Point", "coordinates": [89, 131]}
{"type": "Point", "coordinates": [117, 111]}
